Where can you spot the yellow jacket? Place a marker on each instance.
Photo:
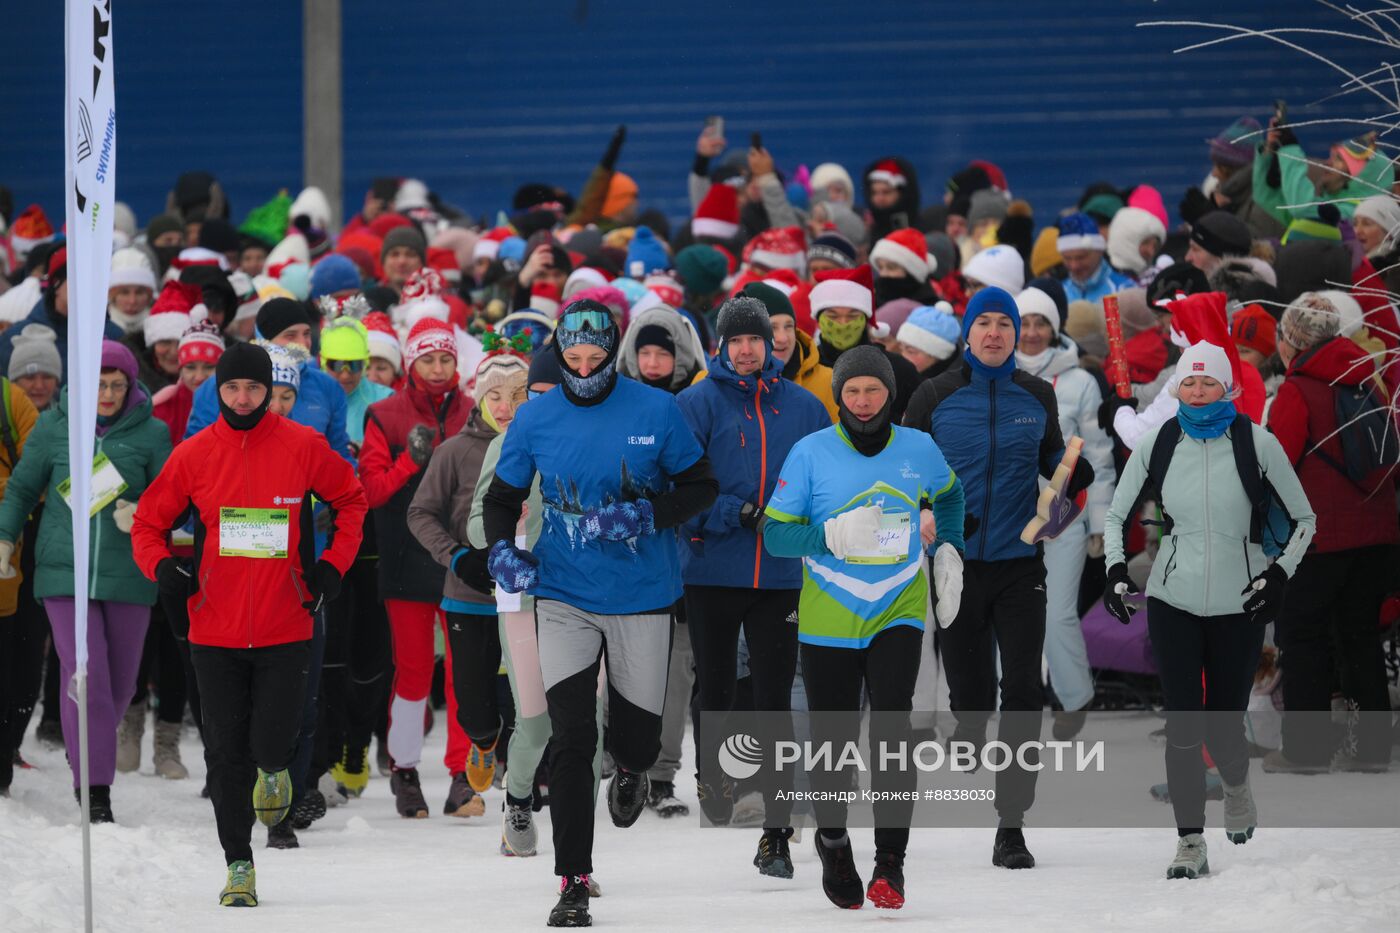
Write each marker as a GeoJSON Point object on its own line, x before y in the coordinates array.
{"type": "Point", "coordinates": [19, 416]}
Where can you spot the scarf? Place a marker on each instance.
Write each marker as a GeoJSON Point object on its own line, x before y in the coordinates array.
{"type": "Point", "coordinates": [1206, 421]}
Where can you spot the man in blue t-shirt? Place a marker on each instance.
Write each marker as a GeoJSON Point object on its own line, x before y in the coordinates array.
{"type": "Point", "coordinates": [619, 469]}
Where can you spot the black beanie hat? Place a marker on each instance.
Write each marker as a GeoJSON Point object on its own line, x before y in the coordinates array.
{"type": "Point", "coordinates": [1222, 234]}
{"type": "Point", "coordinates": [277, 314]}
{"type": "Point", "coordinates": [775, 301]}
{"type": "Point", "coordinates": [864, 360]}
{"type": "Point", "coordinates": [218, 235]}
{"type": "Point", "coordinates": [743, 314]}
{"type": "Point", "coordinates": [544, 367]}
{"type": "Point", "coordinates": [244, 361]}
{"type": "Point", "coordinates": [1176, 281]}
{"type": "Point", "coordinates": [654, 335]}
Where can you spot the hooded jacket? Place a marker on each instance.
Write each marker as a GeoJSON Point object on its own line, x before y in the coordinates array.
{"type": "Point", "coordinates": [690, 352]}
{"type": "Point", "coordinates": [137, 445]}
{"type": "Point", "coordinates": [440, 510]}
{"type": "Point", "coordinates": [747, 425]}
{"type": "Point", "coordinates": [250, 602]}
{"type": "Point", "coordinates": [1078, 397]}
{"type": "Point", "coordinates": [905, 213]}
{"type": "Point", "coordinates": [807, 370]}
{"type": "Point", "coordinates": [1303, 416]}
{"type": "Point", "coordinates": [1105, 281]}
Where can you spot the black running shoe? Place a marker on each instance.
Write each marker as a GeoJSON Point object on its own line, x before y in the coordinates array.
{"type": "Point", "coordinates": [887, 882]}
{"type": "Point", "coordinates": [310, 808]}
{"type": "Point", "coordinates": [774, 859]}
{"type": "Point", "coordinates": [99, 803]}
{"type": "Point", "coordinates": [1009, 850]}
{"type": "Point", "coordinates": [716, 801]}
{"type": "Point", "coordinates": [282, 836]}
{"type": "Point", "coordinates": [572, 909]}
{"type": "Point", "coordinates": [840, 880]}
{"type": "Point", "coordinates": [627, 796]}
{"type": "Point", "coordinates": [408, 794]}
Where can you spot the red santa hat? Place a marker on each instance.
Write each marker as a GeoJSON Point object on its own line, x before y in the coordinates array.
{"type": "Point", "coordinates": [778, 248]}
{"type": "Point", "coordinates": [383, 342]}
{"type": "Point", "coordinates": [844, 288]}
{"type": "Point", "coordinates": [489, 245]}
{"type": "Point", "coordinates": [444, 262]}
{"type": "Point", "coordinates": [544, 296]}
{"type": "Point", "coordinates": [428, 336]}
{"type": "Point", "coordinates": [907, 249]}
{"type": "Point", "coordinates": [172, 313]}
{"type": "Point", "coordinates": [718, 213]}
{"type": "Point", "coordinates": [889, 172]}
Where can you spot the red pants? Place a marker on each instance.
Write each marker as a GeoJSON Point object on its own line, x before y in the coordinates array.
{"type": "Point", "coordinates": [412, 625]}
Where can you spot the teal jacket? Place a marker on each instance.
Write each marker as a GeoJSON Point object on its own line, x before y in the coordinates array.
{"type": "Point", "coordinates": [138, 445]}
{"type": "Point", "coordinates": [1204, 565]}
{"type": "Point", "coordinates": [357, 403]}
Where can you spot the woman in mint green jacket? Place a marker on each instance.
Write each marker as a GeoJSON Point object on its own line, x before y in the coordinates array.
{"type": "Point", "coordinates": [1210, 593]}
{"type": "Point", "coordinates": [131, 448]}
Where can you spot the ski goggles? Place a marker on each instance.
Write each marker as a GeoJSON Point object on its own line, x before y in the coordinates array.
{"type": "Point", "coordinates": [345, 366]}
{"type": "Point", "coordinates": [586, 320]}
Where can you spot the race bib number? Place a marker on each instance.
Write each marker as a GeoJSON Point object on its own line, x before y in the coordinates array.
{"type": "Point", "coordinates": [891, 542]}
{"type": "Point", "coordinates": [259, 533]}
{"type": "Point", "coordinates": [107, 484]}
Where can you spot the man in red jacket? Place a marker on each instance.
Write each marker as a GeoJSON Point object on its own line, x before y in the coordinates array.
{"type": "Point", "coordinates": [1327, 626]}
{"type": "Point", "coordinates": [249, 479]}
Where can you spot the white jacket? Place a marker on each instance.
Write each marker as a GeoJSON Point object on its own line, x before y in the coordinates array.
{"type": "Point", "coordinates": [1130, 426]}
{"type": "Point", "coordinates": [1077, 396]}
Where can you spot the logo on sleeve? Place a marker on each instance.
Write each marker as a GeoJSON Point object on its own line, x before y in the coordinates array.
{"type": "Point", "coordinates": [286, 500]}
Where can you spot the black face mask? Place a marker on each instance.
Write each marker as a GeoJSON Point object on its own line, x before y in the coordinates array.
{"type": "Point", "coordinates": [867, 437]}
{"type": "Point", "coordinates": [245, 422]}
{"type": "Point", "coordinates": [661, 382]}
{"type": "Point", "coordinates": [165, 255]}
{"type": "Point", "coordinates": [887, 289]}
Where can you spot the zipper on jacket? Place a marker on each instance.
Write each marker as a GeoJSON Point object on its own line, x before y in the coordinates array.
{"type": "Point", "coordinates": [248, 493]}
{"type": "Point", "coordinates": [762, 476]}
{"type": "Point", "coordinates": [987, 483]}
{"type": "Point", "coordinates": [1171, 563]}
{"type": "Point", "coordinates": [96, 543]}
{"type": "Point", "coordinates": [1205, 590]}
{"type": "Point", "coordinates": [1248, 571]}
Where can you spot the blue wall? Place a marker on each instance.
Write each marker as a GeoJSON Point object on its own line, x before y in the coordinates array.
{"type": "Point", "coordinates": [477, 98]}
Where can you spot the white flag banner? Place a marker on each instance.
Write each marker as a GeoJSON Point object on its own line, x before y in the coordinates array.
{"type": "Point", "coordinates": [90, 144]}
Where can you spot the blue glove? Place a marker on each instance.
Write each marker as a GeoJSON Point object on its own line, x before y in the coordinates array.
{"type": "Point", "coordinates": [515, 570]}
{"type": "Point", "coordinates": [618, 521]}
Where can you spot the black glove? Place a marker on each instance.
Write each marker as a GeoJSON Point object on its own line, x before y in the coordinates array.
{"type": "Point", "coordinates": [1265, 594]}
{"type": "Point", "coordinates": [420, 444]}
{"type": "Point", "coordinates": [1110, 407]}
{"type": "Point", "coordinates": [1194, 205]}
{"type": "Point", "coordinates": [173, 579]}
{"type": "Point", "coordinates": [1113, 600]}
{"type": "Point", "coordinates": [1082, 477]}
{"type": "Point", "coordinates": [470, 568]}
{"type": "Point", "coordinates": [324, 583]}
{"type": "Point", "coordinates": [614, 148]}
{"type": "Point", "coordinates": [749, 516]}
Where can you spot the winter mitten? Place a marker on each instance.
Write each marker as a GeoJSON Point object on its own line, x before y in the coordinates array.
{"type": "Point", "coordinates": [469, 564]}
{"type": "Point", "coordinates": [172, 578]}
{"type": "Point", "coordinates": [1265, 593]}
{"type": "Point", "coordinates": [514, 569]}
{"type": "Point", "coordinates": [123, 515]}
{"type": "Point", "coordinates": [7, 550]}
{"type": "Point", "coordinates": [848, 531]}
{"type": "Point", "coordinates": [324, 584]}
{"type": "Point", "coordinates": [1109, 409]}
{"type": "Point", "coordinates": [1119, 584]}
{"type": "Point", "coordinates": [618, 521]}
{"type": "Point", "coordinates": [420, 444]}
{"type": "Point", "coordinates": [947, 583]}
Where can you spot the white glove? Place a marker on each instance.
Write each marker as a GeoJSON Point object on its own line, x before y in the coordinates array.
{"type": "Point", "coordinates": [7, 550]}
{"type": "Point", "coordinates": [123, 515]}
{"type": "Point", "coordinates": [947, 583]}
{"type": "Point", "coordinates": [857, 529]}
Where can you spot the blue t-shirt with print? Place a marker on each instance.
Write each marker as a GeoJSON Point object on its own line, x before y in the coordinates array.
{"type": "Point", "coordinates": [624, 448]}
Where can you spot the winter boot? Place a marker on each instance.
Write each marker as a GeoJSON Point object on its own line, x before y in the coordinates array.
{"type": "Point", "coordinates": [129, 734]}
{"type": "Point", "coordinates": [774, 857]}
{"type": "Point", "coordinates": [408, 794]}
{"type": "Point", "coordinates": [662, 799]}
{"type": "Point", "coordinates": [519, 837]}
{"type": "Point", "coordinates": [1190, 861]}
{"type": "Point", "coordinates": [241, 887]}
{"type": "Point", "coordinates": [99, 803]}
{"type": "Point", "coordinates": [167, 756]}
{"type": "Point", "coordinates": [462, 798]}
{"type": "Point", "coordinates": [840, 880]}
{"type": "Point", "coordinates": [1240, 814]}
{"type": "Point", "coordinates": [1009, 850]}
{"type": "Point", "coordinates": [572, 909]}
{"type": "Point", "coordinates": [887, 882]}
{"type": "Point", "coordinates": [627, 796]}
{"type": "Point", "coordinates": [272, 796]}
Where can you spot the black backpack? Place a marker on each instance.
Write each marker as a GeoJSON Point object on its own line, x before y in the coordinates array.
{"type": "Point", "coordinates": [1367, 433]}
{"type": "Point", "coordinates": [1270, 525]}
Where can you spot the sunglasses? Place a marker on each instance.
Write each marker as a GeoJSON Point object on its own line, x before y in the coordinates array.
{"type": "Point", "coordinates": [586, 320]}
{"type": "Point", "coordinates": [339, 366]}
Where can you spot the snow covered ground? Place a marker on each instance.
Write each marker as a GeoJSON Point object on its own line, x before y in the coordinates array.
{"type": "Point", "coordinates": [363, 868]}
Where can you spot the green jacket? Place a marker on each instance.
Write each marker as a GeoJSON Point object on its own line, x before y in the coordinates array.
{"type": "Point", "coordinates": [137, 445]}
{"type": "Point", "coordinates": [1204, 565]}
{"type": "Point", "coordinates": [1296, 198]}
{"type": "Point", "coordinates": [534, 518]}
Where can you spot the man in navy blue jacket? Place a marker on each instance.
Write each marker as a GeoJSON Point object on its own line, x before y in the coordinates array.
{"type": "Point", "coordinates": [999, 429]}
{"type": "Point", "coordinates": [747, 417]}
